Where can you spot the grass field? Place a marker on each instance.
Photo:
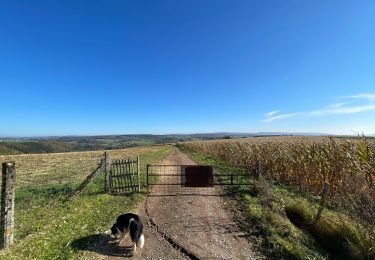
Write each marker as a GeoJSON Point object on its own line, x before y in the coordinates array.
{"type": "Point", "coordinates": [46, 226]}
{"type": "Point", "coordinates": [283, 203]}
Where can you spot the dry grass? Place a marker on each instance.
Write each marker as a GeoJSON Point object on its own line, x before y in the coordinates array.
{"type": "Point", "coordinates": [305, 163]}
{"type": "Point", "coordinates": [48, 227]}
{"type": "Point", "coordinates": [337, 234]}
{"type": "Point", "coordinates": [271, 207]}
{"type": "Point", "coordinates": [58, 168]}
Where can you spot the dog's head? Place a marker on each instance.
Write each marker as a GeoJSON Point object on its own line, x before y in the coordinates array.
{"type": "Point", "coordinates": [115, 231]}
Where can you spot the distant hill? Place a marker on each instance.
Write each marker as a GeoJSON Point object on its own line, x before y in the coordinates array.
{"type": "Point", "coordinates": [53, 144]}
{"type": "Point", "coordinates": [20, 147]}
{"type": "Point", "coordinates": [56, 144]}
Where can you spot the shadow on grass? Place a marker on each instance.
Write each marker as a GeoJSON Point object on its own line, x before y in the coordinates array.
{"type": "Point", "coordinates": [101, 244]}
{"type": "Point", "coordinates": [48, 192]}
{"type": "Point", "coordinates": [184, 195]}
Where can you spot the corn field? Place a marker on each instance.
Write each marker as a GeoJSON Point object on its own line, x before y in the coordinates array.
{"type": "Point", "coordinates": [348, 165]}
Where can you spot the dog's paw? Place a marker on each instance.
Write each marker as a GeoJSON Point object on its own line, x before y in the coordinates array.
{"type": "Point", "coordinates": [114, 242]}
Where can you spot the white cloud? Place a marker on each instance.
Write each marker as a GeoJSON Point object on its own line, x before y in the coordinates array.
{"type": "Point", "coordinates": [269, 114]}
{"type": "Point", "coordinates": [337, 105]}
{"type": "Point", "coordinates": [280, 117]}
{"type": "Point", "coordinates": [342, 110]}
{"type": "Point", "coordinates": [366, 100]}
{"type": "Point", "coordinates": [368, 96]}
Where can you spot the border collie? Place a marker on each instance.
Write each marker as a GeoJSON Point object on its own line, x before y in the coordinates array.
{"type": "Point", "coordinates": [131, 223]}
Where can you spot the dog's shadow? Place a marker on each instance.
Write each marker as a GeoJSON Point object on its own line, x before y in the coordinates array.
{"type": "Point", "coordinates": [101, 244]}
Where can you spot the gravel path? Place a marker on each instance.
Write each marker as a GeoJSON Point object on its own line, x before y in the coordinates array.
{"type": "Point", "coordinates": [191, 227]}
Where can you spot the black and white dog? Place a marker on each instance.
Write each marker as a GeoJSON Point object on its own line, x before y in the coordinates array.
{"type": "Point", "coordinates": [131, 223]}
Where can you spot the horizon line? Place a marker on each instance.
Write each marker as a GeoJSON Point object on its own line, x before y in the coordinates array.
{"type": "Point", "coordinates": [191, 133]}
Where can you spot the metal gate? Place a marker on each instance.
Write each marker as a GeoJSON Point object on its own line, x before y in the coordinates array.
{"type": "Point", "coordinates": [196, 179]}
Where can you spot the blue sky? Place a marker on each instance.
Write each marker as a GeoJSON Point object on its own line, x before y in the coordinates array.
{"type": "Point", "coordinates": [118, 67]}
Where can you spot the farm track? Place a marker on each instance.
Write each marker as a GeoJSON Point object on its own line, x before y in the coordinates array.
{"type": "Point", "coordinates": [191, 227]}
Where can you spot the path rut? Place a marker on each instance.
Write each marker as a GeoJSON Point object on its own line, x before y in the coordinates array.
{"type": "Point", "coordinates": [191, 227]}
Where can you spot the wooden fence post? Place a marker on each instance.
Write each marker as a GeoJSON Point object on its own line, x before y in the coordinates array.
{"type": "Point", "coordinates": [139, 174]}
{"type": "Point", "coordinates": [7, 204]}
{"type": "Point", "coordinates": [258, 170]}
{"type": "Point", "coordinates": [147, 180]}
{"type": "Point", "coordinates": [107, 169]}
{"type": "Point", "coordinates": [322, 201]}
{"type": "Point", "coordinates": [86, 182]}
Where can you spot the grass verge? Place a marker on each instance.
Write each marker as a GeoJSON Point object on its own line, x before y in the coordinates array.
{"type": "Point", "coordinates": [46, 227]}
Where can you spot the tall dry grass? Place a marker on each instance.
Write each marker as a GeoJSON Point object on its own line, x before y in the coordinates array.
{"type": "Point", "coordinates": [348, 165]}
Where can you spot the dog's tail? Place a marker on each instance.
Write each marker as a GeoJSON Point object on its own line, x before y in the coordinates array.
{"type": "Point", "coordinates": [141, 241]}
{"type": "Point", "coordinates": [136, 229]}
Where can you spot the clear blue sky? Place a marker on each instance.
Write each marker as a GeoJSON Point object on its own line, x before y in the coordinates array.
{"type": "Point", "coordinates": [118, 67]}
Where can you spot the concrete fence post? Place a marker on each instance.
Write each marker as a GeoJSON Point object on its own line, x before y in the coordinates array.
{"type": "Point", "coordinates": [7, 204]}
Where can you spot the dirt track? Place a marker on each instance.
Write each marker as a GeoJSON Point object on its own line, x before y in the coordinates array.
{"type": "Point", "coordinates": [191, 227]}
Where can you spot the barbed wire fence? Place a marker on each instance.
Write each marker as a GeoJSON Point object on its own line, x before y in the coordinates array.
{"type": "Point", "coordinates": [46, 182]}
{"type": "Point", "coordinates": [33, 185]}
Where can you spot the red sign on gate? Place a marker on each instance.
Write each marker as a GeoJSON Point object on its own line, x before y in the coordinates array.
{"type": "Point", "coordinates": [199, 176]}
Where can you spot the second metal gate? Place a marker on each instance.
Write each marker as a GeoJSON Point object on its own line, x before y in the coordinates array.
{"type": "Point", "coordinates": [196, 179]}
